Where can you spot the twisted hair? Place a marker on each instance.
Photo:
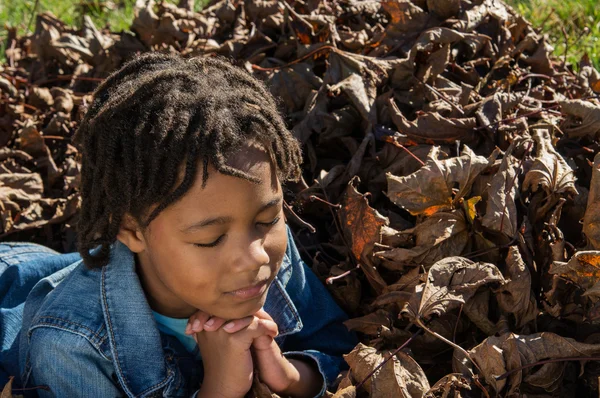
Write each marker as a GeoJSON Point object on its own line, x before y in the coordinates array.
{"type": "Point", "coordinates": [158, 114]}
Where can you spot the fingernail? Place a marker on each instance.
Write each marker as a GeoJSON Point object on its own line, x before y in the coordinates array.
{"type": "Point", "coordinates": [228, 326]}
{"type": "Point", "coordinates": [196, 325]}
{"type": "Point", "coordinates": [210, 322]}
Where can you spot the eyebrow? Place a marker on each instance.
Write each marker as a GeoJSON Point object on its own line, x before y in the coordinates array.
{"type": "Point", "coordinates": [224, 220]}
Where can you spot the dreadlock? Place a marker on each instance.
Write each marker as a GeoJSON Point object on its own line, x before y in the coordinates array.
{"type": "Point", "coordinates": [157, 114]}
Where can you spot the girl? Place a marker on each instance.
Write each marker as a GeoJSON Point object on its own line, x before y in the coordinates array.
{"type": "Point", "coordinates": [188, 279]}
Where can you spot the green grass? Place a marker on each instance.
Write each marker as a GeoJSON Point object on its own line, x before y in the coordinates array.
{"type": "Point", "coordinates": [116, 15]}
{"type": "Point", "coordinates": [550, 16]}
{"type": "Point", "coordinates": [574, 16]}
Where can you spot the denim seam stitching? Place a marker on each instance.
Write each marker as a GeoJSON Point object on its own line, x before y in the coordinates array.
{"type": "Point", "coordinates": [116, 355]}
{"type": "Point", "coordinates": [53, 326]}
{"type": "Point", "coordinates": [296, 317]}
{"type": "Point", "coordinates": [110, 329]}
{"type": "Point", "coordinates": [38, 321]}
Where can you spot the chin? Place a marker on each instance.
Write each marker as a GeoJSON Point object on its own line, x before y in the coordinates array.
{"type": "Point", "coordinates": [248, 308]}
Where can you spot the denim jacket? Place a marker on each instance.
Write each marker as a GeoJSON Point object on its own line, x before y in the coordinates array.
{"type": "Point", "coordinates": [91, 333]}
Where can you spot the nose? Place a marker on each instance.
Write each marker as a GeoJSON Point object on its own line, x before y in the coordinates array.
{"type": "Point", "coordinates": [252, 255]}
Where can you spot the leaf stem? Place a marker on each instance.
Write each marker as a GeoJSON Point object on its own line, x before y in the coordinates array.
{"type": "Point", "coordinates": [445, 340]}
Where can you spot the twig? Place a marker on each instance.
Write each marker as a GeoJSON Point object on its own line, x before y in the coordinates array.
{"type": "Point", "coordinates": [482, 388]}
{"type": "Point", "coordinates": [298, 219]}
{"type": "Point", "coordinates": [396, 351]}
{"type": "Point", "coordinates": [331, 279]}
{"type": "Point", "coordinates": [302, 58]}
{"type": "Point", "coordinates": [390, 140]}
{"type": "Point", "coordinates": [53, 137]}
{"type": "Point", "coordinates": [314, 197]}
{"type": "Point", "coordinates": [505, 375]}
{"type": "Point", "coordinates": [445, 340]}
{"type": "Point", "coordinates": [441, 95]}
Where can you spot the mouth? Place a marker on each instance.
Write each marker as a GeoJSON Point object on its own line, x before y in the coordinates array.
{"type": "Point", "coordinates": [250, 292]}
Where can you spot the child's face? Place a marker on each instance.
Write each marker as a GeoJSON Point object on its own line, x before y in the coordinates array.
{"type": "Point", "coordinates": [179, 277]}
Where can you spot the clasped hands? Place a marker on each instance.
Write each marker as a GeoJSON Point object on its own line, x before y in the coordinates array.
{"type": "Point", "coordinates": [230, 349]}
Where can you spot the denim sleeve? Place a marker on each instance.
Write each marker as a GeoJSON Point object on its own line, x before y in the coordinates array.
{"type": "Point", "coordinates": [323, 337]}
{"type": "Point", "coordinates": [69, 366]}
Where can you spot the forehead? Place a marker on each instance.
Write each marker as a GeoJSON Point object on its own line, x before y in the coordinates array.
{"type": "Point", "coordinates": [224, 193]}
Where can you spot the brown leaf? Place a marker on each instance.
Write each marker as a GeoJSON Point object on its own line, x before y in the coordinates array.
{"type": "Point", "coordinates": [450, 282]}
{"type": "Point", "coordinates": [515, 296]}
{"type": "Point", "coordinates": [448, 383]}
{"type": "Point", "coordinates": [294, 85]}
{"type": "Point", "coordinates": [584, 117]}
{"type": "Point", "coordinates": [498, 355]}
{"type": "Point", "coordinates": [401, 376]}
{"type": "Point", "coordinates": [18, 190]}
{"type": "Point", "coordinates": [441, 235]}
{"type": "Point", "coordinates": [362, 227]}
{"type": "Point", "coordinates": [549, 170]}
{"type": "Point", "coordinates": [444, 8]}
{"type": "Point", "coordinates": [432, 128]}
{"type": "Point", "coordinates": [431, 188]}
{"type": "Point", "coordinates": [501, 210]}
{"type": "Point", "coordinates": [346, 392]}
{"type": "Point", "coordinates": [354, 87]}
{"type": "Point", "coordinates": [583, 269]}
{"type": "Point", "coordinates": [7, 390]}
{"type": "Point", "coordinates": [370, 324]}
{"type": "Point", "coordinates": [591, 219]}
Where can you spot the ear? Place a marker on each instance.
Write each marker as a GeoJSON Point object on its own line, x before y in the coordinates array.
{"type": "Point", "coordinates": [130, 234]}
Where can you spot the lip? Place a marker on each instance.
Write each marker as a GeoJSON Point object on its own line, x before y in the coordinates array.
{"type": "Point", "coordinates": [250, 292]}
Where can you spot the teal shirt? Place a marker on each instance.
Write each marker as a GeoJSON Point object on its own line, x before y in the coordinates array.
{"type": "Point", "coordinates": [176, 327]}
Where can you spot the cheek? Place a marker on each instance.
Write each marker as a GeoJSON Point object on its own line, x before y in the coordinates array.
{"type": "Point", "coordinates": [182, 266]}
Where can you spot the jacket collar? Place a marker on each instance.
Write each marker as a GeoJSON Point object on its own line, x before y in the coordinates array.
{"type": "Point", "coordinates": [135, 341]}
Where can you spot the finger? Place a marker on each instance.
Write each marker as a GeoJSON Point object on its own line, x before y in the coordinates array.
{"type": "Point", "coordinates": [196, 322]}
{"type": "Point", "coordinates": [270, 327]}
{"type": "Point", "coordinates": [237, 324]}
{"type": "Point", "coordinates": [213, 323]}
{"type": "Point", "coordinates": [256, 328]}
{"type": "Point", "coordinates": [262, 314]}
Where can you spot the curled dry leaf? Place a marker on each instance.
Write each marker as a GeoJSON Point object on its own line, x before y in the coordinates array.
{"type": "Point", "coordinates": [499, 355]}
{"type": "Point", "coordinates": [585, 117]}
{"type": "Point", "coordinates": [501, 210]}
{"type": "Point", "coordinates": [362, 226]}
{"type": "Point", "coordinates": [450, 283]}
{"type": "Point", "coordinates": [370, 324]}
{"type": "Point", "coordinates": [431, 188]}
{"type": "Point", "coordinates": [549, 170]}
{"type": "Point", "coordinates": [441, 235]}
{"type": "Point", "coordinates": [583, 269]}
{"type": "Point", "coordinates": [401, 376]}
{"type": "Point", "coordinates": [515, 296]}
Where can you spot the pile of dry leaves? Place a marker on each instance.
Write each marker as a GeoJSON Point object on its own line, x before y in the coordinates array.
{"type": "Point", "coordinates": [451, 192]}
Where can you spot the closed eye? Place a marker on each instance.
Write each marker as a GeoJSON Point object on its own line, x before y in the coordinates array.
{"type": "Point", "coordinates": [212, 244]}
{"type": "Point", "coordinates": [216, 242]}
{"type": "Point", "coordinates": [268, 224]}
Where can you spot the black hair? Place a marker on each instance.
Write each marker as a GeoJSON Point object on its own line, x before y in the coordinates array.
{"type": "Point", "coordinates": [156, 114]}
